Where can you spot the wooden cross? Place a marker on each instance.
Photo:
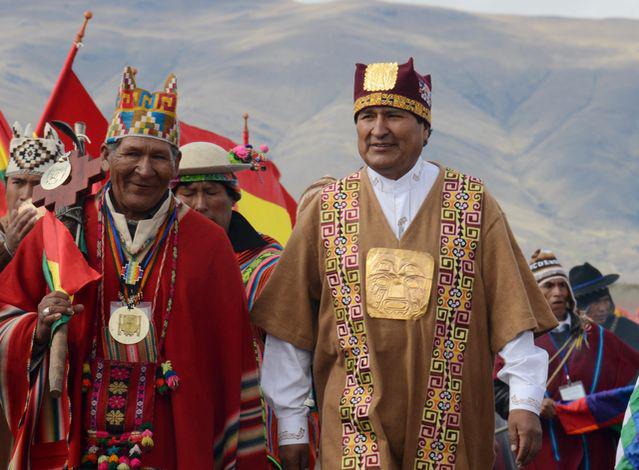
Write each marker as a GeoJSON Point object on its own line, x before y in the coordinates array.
{"type": "Point", "coordinates": [84, 172]}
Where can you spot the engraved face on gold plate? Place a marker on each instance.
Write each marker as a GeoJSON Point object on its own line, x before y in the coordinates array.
{"type": "Point", "coordinates": [398, 283]}
{"type": "Point", "coordinates": [381, 76]}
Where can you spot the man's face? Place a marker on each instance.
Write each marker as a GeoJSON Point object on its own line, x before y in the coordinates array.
{"type": "Point", "coordinates": [141, 170]}
{"type": "Point", "coordinates": [20, 188]}
{"type": "Point", "coordinates": [556, 293]}
{"type": "Point", "coordinates": [390, 140]}
{"type": "Point", "coordinates": [210, 199]}
{"type": "Point", "coordinates": [600, 309]}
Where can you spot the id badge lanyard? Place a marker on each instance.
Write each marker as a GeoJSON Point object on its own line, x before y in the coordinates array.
{"type": "Point", "coordinates": [593, 387]}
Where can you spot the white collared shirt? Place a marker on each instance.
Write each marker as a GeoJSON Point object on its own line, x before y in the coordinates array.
{"type": "Point", "coordinates": [286, 378]}
{"type": "Point", "coordinates": [563, 325]}
{"type": "Point", "coordinates": [401, 199]}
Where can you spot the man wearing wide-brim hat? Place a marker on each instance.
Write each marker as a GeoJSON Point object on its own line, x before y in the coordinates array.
{"type": "Point", "coordinates": [208, 184]}
{"type": "Point", "coordinates": [399, 285]}
{"type": "Point", "coordinates": [593, 297]}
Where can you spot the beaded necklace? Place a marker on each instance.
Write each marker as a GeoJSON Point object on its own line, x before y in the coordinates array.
{"type": "Point", "coordinates": [135, 272]}
{"type": "Point", "coordinates": [166, 378]}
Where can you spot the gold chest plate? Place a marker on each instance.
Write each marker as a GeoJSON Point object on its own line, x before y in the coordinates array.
{"type": "Point", "coordinates": [398, 283]}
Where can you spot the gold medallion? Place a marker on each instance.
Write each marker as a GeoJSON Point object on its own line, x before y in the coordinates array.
{"type": "Point", "coordinates": [128, 325]}
{"type": "Point", "coordinates": [56, 175]}
{"type": "Point", "coordinates": [398, 283]}
{"type": "Point", "coordinates": [381, 76]}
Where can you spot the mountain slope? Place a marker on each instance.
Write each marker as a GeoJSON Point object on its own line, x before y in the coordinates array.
{"type": "Point", "coordinates": [543, 109]}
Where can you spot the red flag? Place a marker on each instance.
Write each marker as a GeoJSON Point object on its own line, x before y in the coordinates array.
{"type": "Point", "coordinates": [265, 202]}
{"type": "Point", "coordinates": [70, 102]}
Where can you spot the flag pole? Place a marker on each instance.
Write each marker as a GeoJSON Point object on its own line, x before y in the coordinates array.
{"type": "Point", "coordinates": [245, 132]}
{"type": "Point", "coordinates": [58, 348]}
{"type": "Point", "coordinates": [77, 43]}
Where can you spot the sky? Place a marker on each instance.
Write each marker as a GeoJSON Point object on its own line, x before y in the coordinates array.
{"type": "Point", "coordinates": [568, 8]}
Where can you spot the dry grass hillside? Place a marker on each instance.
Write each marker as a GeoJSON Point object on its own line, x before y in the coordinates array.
{"type": "Point", "coordinates": [543, 109]}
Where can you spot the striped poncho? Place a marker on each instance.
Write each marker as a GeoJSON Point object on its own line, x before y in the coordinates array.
{"type": "Point", "coordinates": [213, 420]}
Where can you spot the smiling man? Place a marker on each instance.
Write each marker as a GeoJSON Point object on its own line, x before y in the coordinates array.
{"type": "Point", "coordinates": [399, 285]}
{"type": "Point", "coordinates": [160, 374]}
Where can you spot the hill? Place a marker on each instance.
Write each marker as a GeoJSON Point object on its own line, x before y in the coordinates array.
{"type": "Point", "coordinates": [543, 109]}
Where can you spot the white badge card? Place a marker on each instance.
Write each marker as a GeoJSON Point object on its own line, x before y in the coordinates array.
{"type": "Point", "coordinates": [572, 391]}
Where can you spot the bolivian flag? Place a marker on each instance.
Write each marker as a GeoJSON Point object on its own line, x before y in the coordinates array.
{"type": "Point", "coordinates": [63, 264]}
{"type": "Point", "coordinates": [628, 449]}
{"type": "Point", "coordinates": [5, 138]}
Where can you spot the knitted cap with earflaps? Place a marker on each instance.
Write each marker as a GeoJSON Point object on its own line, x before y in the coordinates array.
{"type": "Point", "coordinates": [546, 267]}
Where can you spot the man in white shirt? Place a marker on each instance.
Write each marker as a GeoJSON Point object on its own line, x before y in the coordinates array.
{"type": "Point", "coordinates": [399, 285]}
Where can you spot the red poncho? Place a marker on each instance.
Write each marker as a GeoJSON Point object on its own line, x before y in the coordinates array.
{"type": "Point", "coordinates": [212, 420]}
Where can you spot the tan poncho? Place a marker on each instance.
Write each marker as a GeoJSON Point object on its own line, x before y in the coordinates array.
{"type": "Point", "coordinates": [296, 306]}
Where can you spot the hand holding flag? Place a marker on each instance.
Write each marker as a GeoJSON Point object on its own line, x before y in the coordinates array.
{"type": "Point", "coordinates": [66, 272]}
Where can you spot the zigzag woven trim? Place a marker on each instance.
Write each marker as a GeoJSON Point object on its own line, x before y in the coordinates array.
{"type": "Point", "coordinates": [459, 237]}
{"type": "Point", "coordinates": [339, 225]}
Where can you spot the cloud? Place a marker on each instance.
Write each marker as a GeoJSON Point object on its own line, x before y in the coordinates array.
{"type": "Point", "coordinates": [567, 8]}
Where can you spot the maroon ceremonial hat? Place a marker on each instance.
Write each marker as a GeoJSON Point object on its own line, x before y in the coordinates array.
{"type": "Point", "coordinates": [390, 84]}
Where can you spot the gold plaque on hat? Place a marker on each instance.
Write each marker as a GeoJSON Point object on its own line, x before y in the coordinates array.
{"type": "Point", "coordinates": [398, 283]}
{"type": "Point", "coordinates": [381, 76]}
{"type": "Point", "coordinates": [128, 325]}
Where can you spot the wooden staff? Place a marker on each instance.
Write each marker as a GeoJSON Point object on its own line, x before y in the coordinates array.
{"type": "Point", "coordinates": [58, 361]}
{"type": "Point", "coordinates": [83, 174]}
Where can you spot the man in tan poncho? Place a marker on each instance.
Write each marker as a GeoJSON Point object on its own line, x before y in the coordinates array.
{"type": "Point", "coordinates": [399, 285]}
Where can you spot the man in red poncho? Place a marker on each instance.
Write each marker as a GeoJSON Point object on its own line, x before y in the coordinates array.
{"type": "Point", "coordinates": [170, 304]}
{"type": "Point", "coordinates": [584, 359]}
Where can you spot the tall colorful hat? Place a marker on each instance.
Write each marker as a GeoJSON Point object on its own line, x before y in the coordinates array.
{"type": "Point", "coordinates": [390, 84]}
{"type": "Point", "coordinates": [30, 154]}
{"type": "Point", "coordinates": [142, 113]}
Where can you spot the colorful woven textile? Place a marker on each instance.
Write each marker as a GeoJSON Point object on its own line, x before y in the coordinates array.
{"type": "Point", "coordinates": [140, 112]}
{"type": "Point", "coordinates": [340, 232]}
{"type": "Point", "coordinates": [29, 154]}
{"type": "Point", "coordinates": [257, 265]}
{"type": "Point", "coordinates": [460, 233]}
{"type": "Point", "coordinates": [628, 452]}
{"type": "Point", "coordinates": [594, 411]}
{"type": "Point", "coordinates": [21, 400]}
